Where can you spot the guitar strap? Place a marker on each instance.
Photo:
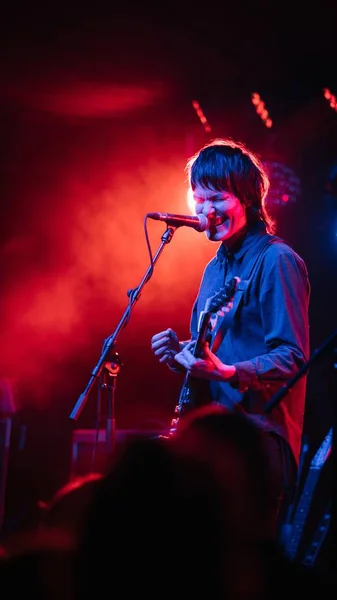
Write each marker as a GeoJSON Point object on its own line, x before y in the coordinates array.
{"type": "Point", "coordinates": [251, 260]}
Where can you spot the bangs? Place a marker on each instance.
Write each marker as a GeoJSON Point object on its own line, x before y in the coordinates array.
{"type": "Point", "coordinates": [221, 168]}
{"type": "Point", "coordinates": [212, 172]}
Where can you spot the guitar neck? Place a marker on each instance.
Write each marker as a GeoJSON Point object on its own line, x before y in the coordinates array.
{"type": "Point", "coordinates": [318, 539]}
{"type": "Point", "coordinates": [298, 522]}
{"type": "Point", "coordinates": [203, 334]}
{"type": "Point", "coordinates": [194, 389]}
{"type": "Point", "coordinates": [301, 513]}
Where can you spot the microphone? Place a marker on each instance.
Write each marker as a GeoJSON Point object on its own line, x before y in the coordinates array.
{"type": "Point", "coordinates": [200, 222]}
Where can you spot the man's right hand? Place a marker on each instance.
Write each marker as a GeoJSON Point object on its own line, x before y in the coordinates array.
{"type": "Point", "coordinates": [165, 346]}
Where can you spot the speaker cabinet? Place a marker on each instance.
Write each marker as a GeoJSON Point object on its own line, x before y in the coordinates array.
{"type": "Point", "coordinates": [91, 449]}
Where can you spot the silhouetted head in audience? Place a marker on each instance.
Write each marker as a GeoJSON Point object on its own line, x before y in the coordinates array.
{"type": "Point", "coordinates": [155, 526]}
{"type": "Point", "coordinates": [235, 448]}
{"type": "Point", "coordinates": [40, 561]}
{"type": "Point", "coordinates": [66, 511]}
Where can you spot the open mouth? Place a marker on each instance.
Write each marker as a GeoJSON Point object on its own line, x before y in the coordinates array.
{"type": "Point", "coordinates": [218, 223]}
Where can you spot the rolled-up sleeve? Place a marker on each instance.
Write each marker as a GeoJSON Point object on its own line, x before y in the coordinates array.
{"type": "Point", "coordinates": [284, 299]}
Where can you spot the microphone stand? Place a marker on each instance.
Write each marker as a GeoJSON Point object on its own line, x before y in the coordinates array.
{"type": "Point", "coordinates": [111, 370]}
{"type": "Point", "coordinates": [110, 361]}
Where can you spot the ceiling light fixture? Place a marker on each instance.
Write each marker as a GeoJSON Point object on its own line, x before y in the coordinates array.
{"type": "Point", "coordinates": [261, 110]}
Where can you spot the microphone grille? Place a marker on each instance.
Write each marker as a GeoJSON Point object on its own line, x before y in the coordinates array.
{"type": "Point", "coordinates": [203, 223]}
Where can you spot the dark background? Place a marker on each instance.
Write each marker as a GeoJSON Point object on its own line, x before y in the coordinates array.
{"type": "Point", "coordinates": [97, 123]}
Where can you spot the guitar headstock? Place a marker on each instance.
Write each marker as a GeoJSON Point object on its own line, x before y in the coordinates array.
{"type": "Point", "coordinates": [223, 297]}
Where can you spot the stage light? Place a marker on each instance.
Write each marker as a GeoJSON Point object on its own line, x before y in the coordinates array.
{"type": "Point", "coordinates": [331, 98]}
{"type": "Point", "coordinates": [201, 116]}
{"type": "Point", "coordinates": [261, 110]}
{"type": "Point", "coordinates": [190, 201]}
{"type": "Point", "coordinates": [285, 185]}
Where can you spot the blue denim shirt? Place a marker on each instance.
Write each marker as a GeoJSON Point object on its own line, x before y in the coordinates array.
{"type": "Point", "coordinates": [268, 341]}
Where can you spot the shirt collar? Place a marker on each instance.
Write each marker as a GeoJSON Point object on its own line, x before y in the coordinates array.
{"type": "Point", "coordinates": [240, 249]}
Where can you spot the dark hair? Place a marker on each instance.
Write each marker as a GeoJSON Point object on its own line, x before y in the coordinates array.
{"type": "Point", "coordinates": [227, 165]}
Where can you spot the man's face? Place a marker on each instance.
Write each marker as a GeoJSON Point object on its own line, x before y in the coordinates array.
{"type": "Point", "coordinates": [227, 216]}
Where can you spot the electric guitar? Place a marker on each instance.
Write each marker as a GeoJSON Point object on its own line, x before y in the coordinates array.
{"type": "Point", "coordinates": [320, 534]}
{"type": "Point", "coordinates": [191, 386]}
{"type": "Point", "coordinates": [303, 506]}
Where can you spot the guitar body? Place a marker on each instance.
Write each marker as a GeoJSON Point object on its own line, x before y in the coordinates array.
{"type": "Point", "coordinates": [195, 391]}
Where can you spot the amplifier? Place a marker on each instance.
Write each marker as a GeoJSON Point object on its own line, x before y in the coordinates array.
{"type": "Point", "coordinates": [90, 448]}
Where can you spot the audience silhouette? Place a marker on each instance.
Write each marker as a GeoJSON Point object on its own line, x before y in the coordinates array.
{"type": "Point", "coordinates": [188, 515]}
